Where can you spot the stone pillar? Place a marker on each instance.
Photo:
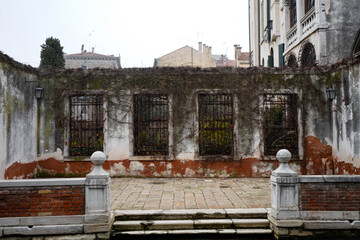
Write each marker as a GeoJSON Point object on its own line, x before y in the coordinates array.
{"type": "Point", "coordinates": [97, 186]}
{"type": "Point", "coordinates": [98, 217]}
{"type": "Point", "coordinates": [284, 189]}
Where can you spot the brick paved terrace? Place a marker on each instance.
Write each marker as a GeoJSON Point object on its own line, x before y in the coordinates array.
{"type": "Point", "coordinates": [189, 193]}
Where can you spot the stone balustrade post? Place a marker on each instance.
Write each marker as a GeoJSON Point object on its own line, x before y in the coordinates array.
{"type": "Point", "coordinates": [97, 186]}
{"type": "Point", "coordinates": [98, 217]}
{"type": "Point", "coordinates": [284, 189]}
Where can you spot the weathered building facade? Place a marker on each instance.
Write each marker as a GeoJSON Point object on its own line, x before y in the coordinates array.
{"type": "Point", "coordinates": [179, 122]}
{"type": "Point", "coordinates": [86, 60]}
{"type": "Point", "coordinates": [187, 57]}
{"type": "Point", "coordinates": [302, 32]}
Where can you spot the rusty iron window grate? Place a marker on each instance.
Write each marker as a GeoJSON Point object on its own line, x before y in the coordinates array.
{"type": "Point", "coordinates": [280, 123]}
{"type": "Point", "coordinates": [151, 124]}
{"type": "Point", "coordinates": [86, 124]}
{"type": "Point", "coordinates": [215, 124]}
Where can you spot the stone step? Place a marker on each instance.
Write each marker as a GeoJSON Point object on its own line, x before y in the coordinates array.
{"type": "Point", "coordinates": [137, 225]}
{"type": "Point", "coordinates": [247, 232]}
{"type": "Point", "coordinates": [251, 213]}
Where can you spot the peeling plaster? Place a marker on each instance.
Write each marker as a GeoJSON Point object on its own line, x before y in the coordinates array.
{"type": "Point", "coordinates": [136, 168]}
{"type": "Point", "coordinates": [58, 155]}
{"type": "Point", "coordinates": [189, 172]}
{"type": "Point", "coordinates": [118, 169]}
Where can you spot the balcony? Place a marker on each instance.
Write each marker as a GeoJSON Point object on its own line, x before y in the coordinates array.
{"type": "Point", "coordinates": [291, 36]}
{"type": "Point", "coordinates": [308, 21]}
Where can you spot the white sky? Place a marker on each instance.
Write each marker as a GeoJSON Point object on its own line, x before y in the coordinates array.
{"type": "Point", "coordinates": [138, 30]}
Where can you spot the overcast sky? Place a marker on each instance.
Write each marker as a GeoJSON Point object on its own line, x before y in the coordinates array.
{"type": "Point", "coordinates": [138, 30]}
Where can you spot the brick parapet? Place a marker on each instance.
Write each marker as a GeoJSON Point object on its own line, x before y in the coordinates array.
{"type": "Point", "coordinates": [330, 193]}
{"type": "Point", "coordinates": [42, 197]}
{"type": "Point", "coordinates": [42, 201]}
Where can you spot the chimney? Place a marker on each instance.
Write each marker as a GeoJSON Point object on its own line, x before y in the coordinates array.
{"type": "Point", "coordinates": [82, 48]}
{"type": "Point", "coordinates": [200, 47]}
{"type": "Point", "coordinates": [237, 49]}
{"type": "Point", "coordinates": [205, 50]}
{"type": "Point", "coordinates": [92, 50]}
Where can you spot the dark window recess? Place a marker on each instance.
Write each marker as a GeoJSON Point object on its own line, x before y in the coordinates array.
{"type": "Point", "coordinates": [86, 124]}
{"type": "Point", "coordinates": [281, 55]}
{"type": "Point", "coordinates": [271, 58]}
{"type": "Point", "coordinates": [308, 56]}
{"type": "Point", "coordinates": [215, 124]}
{"type": "Point", "coordinates": [309, 4]}
{"type": "Point", "coordinates": [280, 123]}
{"type": "Point", "coordinates": [291, 60]}
{"type": "Point", "coordinates": [293, 17]}
{"type": "Point", "coordinates": [150, 124]}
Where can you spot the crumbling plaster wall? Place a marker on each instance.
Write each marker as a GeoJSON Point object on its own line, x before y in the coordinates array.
{"type": "Point", "coordinates": [18, 117]}
{"type": "Point", "coordinates": [328, 147]}
{"type": "Point", "coordinates": [343, 24]}
{"type": "Point", "coordinates": [347, 129]}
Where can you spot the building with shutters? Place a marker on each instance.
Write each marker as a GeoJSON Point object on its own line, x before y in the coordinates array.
{"type": "Point", "coordinates": [302, 32]}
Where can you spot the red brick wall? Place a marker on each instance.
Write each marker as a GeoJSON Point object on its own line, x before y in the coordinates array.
{"type": "Point", "coordinates": [330, 196]}
{"type": "Point", "coordinates": [42, 201]}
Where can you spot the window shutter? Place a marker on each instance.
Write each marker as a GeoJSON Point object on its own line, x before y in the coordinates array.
{"type": "Point", "coordinates": [281, 53]}
{"type": "Point", "coordinates": [270, 61]}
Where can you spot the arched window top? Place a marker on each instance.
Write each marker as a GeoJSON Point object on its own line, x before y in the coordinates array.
{"type": "Point", "coordinates": [307, 55]}
{"type": "Point", "coordinates": [291, 60]}
{"type": "Point", "coordinates": [355, 50]}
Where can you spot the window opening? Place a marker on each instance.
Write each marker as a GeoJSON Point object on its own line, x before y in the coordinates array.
{"type": "Point", "coordinates": [291, 60]}
{"type": "Point", "coordinates": [86, 124]}
{"type": "Point", "coordinates": [309, 4]}
{"type": "Point", "coordinates": [308, 56]}
{"type": "Point", "coordinates": [215, 124]}
{"type": "Point", "coordinates": [151, 124]}
{"type": "Point", "coordinates": [280, 123]}
{"type": "Point", "coordinates": [293, 17]}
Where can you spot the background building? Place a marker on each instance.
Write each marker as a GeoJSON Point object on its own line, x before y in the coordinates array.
{"type": "Point", "coordinates": [242, 59]}
{"type": "Point", "coordinates": [302, 32]}
{"type": "Point", "coordinates": [88, 60]}
{"type": "Point", "coordinates": [187, 56]}
{"type": "Point", "coordinates": [223, 61]}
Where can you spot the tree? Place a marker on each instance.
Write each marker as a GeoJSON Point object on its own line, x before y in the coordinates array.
{"type": "Point", "coordinates": [52, 54]}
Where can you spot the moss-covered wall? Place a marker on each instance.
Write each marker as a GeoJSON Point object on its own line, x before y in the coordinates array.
{"type": "Point", "coordinates": [316, 128]}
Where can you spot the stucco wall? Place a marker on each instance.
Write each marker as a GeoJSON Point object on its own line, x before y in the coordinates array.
{"type": "Point", "coordinates": [343, 24]}
{"type": "Point", "coordinates": [18, 117]}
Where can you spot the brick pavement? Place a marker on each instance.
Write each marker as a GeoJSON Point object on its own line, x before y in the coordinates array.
{"type": "Point", "coordinates": [189, 193]}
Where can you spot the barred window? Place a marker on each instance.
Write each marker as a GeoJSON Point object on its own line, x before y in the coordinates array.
{"type": "Point", "coordinates": [215, 124]}
{"type": "Point", "coordinates": [86, 124]}
{"type": "Point", "coordinates": [280, 123]}
{"type": "Point", "coordinates": [150, 124]}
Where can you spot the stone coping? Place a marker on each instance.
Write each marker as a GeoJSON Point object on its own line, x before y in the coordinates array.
{"type": "Point", "coordinates": [329, 179]}
{"type": "Point", "coordinates": [42, 182]}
